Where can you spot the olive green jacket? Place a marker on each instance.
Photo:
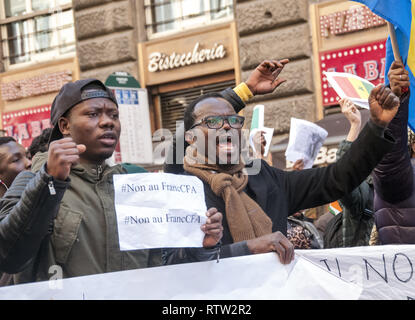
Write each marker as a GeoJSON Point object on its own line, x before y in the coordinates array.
{"type": "Point", "coordinates": [70, 224]}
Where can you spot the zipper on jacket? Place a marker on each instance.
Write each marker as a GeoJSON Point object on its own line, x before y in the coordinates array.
{"type": "Point", "coordinates": [52, 190]}
{"type": "Point", "coordinates": [99, 171]}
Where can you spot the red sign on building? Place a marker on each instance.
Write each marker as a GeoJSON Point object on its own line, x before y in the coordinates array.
{"type": "Point", "coordinates": [365, 60]}
{"type": "Point", "coordinates": [24, 125]}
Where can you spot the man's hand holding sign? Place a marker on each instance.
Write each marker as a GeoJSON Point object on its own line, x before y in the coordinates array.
{"type": "Point", "coordinates": [162, 211]}
{"type": "Point", "coordinates": [212, 228]}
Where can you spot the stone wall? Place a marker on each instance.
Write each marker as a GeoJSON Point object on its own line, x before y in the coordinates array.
{"type": "Point", "coordinates": [270, 29]}
{"type": "Point", "coordinates": [106, 34]}
{"type": "Point", "coordinates": [1, 56]}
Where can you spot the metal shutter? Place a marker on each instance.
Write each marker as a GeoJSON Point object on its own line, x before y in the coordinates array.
{"type": "Point", "coordinates": [174, 103]}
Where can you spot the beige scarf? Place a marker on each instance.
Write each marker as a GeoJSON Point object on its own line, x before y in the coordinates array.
{"type": "Point", "coordinates": [245, 217]}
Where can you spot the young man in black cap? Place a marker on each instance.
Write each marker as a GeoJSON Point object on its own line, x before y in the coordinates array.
{"type": "Point", "coordinates": [66, 215]}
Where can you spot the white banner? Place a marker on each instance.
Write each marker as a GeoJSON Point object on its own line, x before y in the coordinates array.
{"type": "Point", "coordinates": [384, 272]}
{"type": "Point", "coordinates": [159, 210]}
{"type": "Point", "coordinates": [242, 278]}
{"type": "Point", "coordinates": [380, 272]}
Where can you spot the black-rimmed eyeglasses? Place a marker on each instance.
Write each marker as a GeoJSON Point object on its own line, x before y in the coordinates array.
{"type": "Point", "coordinates": [217, 122]}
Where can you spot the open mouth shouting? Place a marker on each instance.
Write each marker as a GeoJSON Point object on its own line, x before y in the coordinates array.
{"type": "Point", "coordinates": [108, 139]}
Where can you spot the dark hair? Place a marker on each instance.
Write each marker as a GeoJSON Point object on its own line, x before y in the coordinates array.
{"type": "Point", "coordinates": [189, 119]}
{"type": "Point", "coordinates": [40, 143]}
{"type": "Point", "coordinates": [4, 140]}
{"type": "Point", "coordinates": [176, 166]}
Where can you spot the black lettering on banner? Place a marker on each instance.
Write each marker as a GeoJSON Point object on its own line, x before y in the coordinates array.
{"type": "Point", "coordinates": [325, 262]}
{"type": "Point", "coordinates": [394, 267]}
{"type": "Point", "coordinates": [385, 277]}
{"type": "Point", "coordinates": [328, 268]}
{"type": "Point", "coordinates": [338, 267]}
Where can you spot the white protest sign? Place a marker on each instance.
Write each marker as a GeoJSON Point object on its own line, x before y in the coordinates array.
{"type": "Point", "coordinates": [384, 272]}
{"type": "Point", "coordinates": [257, 124]}
{"type": "Point", "coordinates": [159, 210]}
{"type": "Point", "coordinates": [251, 277]}
{"type": "Point", "coordinates": [306, 139]}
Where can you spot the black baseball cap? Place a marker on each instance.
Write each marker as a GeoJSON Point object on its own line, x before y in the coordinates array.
{"type": "Point", "coordinates": [73, 93]}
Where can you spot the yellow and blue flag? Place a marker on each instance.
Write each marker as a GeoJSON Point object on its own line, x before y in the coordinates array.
{"type": "Point", "coordinates": [400, 13]}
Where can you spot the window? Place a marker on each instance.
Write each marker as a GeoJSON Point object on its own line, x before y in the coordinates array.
{"type": "Point", "coordinates": [174, 103]}
{"type": "Point", "coordinates": [164, 16]}
{"type": "Point", "coordinates": [36, 30]}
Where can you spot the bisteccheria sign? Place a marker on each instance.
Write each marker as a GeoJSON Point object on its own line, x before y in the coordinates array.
{"type": "Point", "coordinates": [159, 61]}
{"type": "Point", "coordinates": [188, 55]}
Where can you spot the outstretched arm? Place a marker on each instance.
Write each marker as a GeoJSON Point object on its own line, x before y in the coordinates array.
{"type": "Point", "coordinates": [354, 117]}
{"type": "Point", "coordinates": [393, 177]}
{"type": "Point", "coordinates": [360, 198]}
{"type": "Point", "coordinates": [314, 187]}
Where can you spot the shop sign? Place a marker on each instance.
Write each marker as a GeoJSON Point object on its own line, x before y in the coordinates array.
{"type": "Point", "coordinates": [364, 60]}
{"type": "Point", "coordinates": [24, 125]}
{"type": "Point", "coordinates": [34, 86]}
{"type": "Point", "coordinates": [188, 55]}
{"type": "Point", "coordinates": [159, 61]}
{"type": "Point", "coordinates": [356, 18]}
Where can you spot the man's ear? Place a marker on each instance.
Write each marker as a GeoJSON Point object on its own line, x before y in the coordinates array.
{"type": "Point", "coordinates": [64, 126]}
{"type": "Point", "coordinates": [189, 137]}
{"type": "Point", "coordinates": [413, 148]}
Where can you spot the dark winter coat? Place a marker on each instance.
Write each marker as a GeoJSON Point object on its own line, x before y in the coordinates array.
{"type": "Point", "coordinates": [352, 227]}
{"type": "Point", "coordinates": [281, 193]}
{"type": "Point", "coordinates": [394, 186]}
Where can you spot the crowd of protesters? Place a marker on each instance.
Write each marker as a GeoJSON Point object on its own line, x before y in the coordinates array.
{"type": "Point", "coordinates": [57, 199]}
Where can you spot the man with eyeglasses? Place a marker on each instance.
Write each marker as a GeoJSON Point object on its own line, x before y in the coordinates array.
{"type": "Point", "coordinates": [256, 207]}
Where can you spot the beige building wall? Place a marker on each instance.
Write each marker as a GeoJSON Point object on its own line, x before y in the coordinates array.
{"type": "Point", "coordinates": [1, 56]}
{"type": "Point", "coordinates": [279, 29]}
{"type": "Point", "coordinates": [106, 34]}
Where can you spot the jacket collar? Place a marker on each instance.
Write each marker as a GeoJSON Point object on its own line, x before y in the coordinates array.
{"type": "Point", "coordinates": [95, 173]}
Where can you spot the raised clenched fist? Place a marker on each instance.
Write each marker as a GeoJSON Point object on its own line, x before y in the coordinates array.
{"type": "Point", "coordinates": [62, 155]}
{"type": "Point", "coordinates": [383, 105]}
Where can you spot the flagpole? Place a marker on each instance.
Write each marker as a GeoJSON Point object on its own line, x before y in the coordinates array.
{"type": "Point", "coordinates": [394, 42]}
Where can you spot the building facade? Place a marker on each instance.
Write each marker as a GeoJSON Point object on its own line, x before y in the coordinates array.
{"type": "Point", "coordinates": [178, 49]}
{"type": "Point", "coordinates": [37, 57]}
